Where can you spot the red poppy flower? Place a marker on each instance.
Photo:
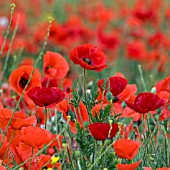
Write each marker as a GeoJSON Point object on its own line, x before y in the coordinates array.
{"type": "Point", "coordinates": [117, 84]}
{"type": "Point", "coordinates": [35, 136]}
{"type": "Point", "coordinates": [163, 85]}
{"type": "Point", "coordinates": [19, 120]}
{"type": "Point", "coordinates": [146, 102]}
{"type": "Point", "coordinates": [126, 148]}
{"type": "Point", "coordinates": [100, 131]}
{"type": "Point", "coordinates": [132, 166]}
{"type": "Point", "coordinates": [46, 96]}
{"type": "Point", "coordinates": [55, 65]}
{"type": "Point", "coordinates": [89, 57]}
{"type": "Point", "coordinates": [19, 78]}
{"type": "Point", "coordinates": [46, 82]}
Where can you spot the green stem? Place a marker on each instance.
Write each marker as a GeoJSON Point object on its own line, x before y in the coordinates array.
{"type": "Point", "coordinates": [9, 51]}
{"type": "Point", "coordinates": [30, 77]}
{"type": "Point", "coordinates": [142, 78]}
{"type": "Point", "coordinates": [8, 28]}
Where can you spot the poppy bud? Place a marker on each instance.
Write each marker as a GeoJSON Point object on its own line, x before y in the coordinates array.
{"type": "Point", "coordinates": [156, 117]}
{"type": "Point", "coordinates": [160, 139]}
{"type": "Point", "coordinates": [153, 90]}
{"type": "Point", "coordinates": [124, 105]}
{"type": "Point", "coordinates": [80, 91]}
{"type": "Point", "coordinates": [109, 96]}
{"type": "Point", "coordinates": [86, 124]}
{"type": "Point", "coordinates": [159, 110]}
{"type": "Point", "coordinates": [105, 169]}
{"type": "Point", "coordinates": [168, 129]}
{"type": "Point", "coordinates": [108, 141]}
{"type": "Point", "coordinates": [151, 127]}
{"type": "Point", "coordinates": [77, 154]}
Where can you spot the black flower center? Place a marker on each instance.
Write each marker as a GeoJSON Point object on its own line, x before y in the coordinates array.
{"type": "Point", "coordinates": [23, 82]}
{"type": "Point", "coordinates": [87, 60]}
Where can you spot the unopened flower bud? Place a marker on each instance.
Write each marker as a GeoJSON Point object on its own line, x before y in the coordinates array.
{"type": "Point", "coordinates": [156, 117]}
{"type": "Point", "coordinates": [159, 110]}
{"type": "Point", "coordinates": [160, 138]}
{"type": "Point", "coordinates": [168, 129]}
{"type": "Point", "coordinates": [151, 127]}
{"type": "Point", "coordinates": [153, 90]}
{"type": "Point", "coordinates": [124, 104]}
{"type": "Point", "coordinates": [109, 96]}
{"type": "Point", "coordinates": [86, 124]}
{"type": "Point", "coordinates": [77, 154]}
{"type": "Point", "coordinates": [105, 169]}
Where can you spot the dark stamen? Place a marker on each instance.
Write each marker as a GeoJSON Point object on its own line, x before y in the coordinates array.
{"type": "Point", "coordinates": [23, 82]}
{"type": "Point", "coordinates": [87, 60]}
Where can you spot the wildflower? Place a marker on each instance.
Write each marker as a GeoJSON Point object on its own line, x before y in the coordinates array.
{"type": "Point", "coordinates": [146, 102]}
{"type": "Point", "coordinates": [115, 83]}
{"type": "Point", "coordinates": [102, 131]}
{"type": "Point", "coordinates": [20, 76]}
{"type": "Point", "coordinates": [126, 148]}
{"type": "Point", "coordinates": [46, 96]}
{"type": "Point", "coordinates": [89, 57]}
{"type": "Point", "coordinates": [55, 65]}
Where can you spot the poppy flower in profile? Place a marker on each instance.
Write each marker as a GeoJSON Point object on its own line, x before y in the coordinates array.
{"type": "Point", "coordinates": [89, 57]}
{"type": "Point", "coordinates": [126, 148]}
{"type": "Point", "coordinates": [46, 96]}
{"type": "Point", "coordinates": [116, 84]}
{"type": "Point", "coordinates": [145, 102]}
{"type": "Point", "coordinates": [20, 76]}
{"type": "Point", "coordinates": [132, 166]}
{"type": "Point", "coordinates": [55, 65]}
{"type": "Point", "coordinates": [100, 131]}
{"type": "Point", "coordinates": [35, 136]}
